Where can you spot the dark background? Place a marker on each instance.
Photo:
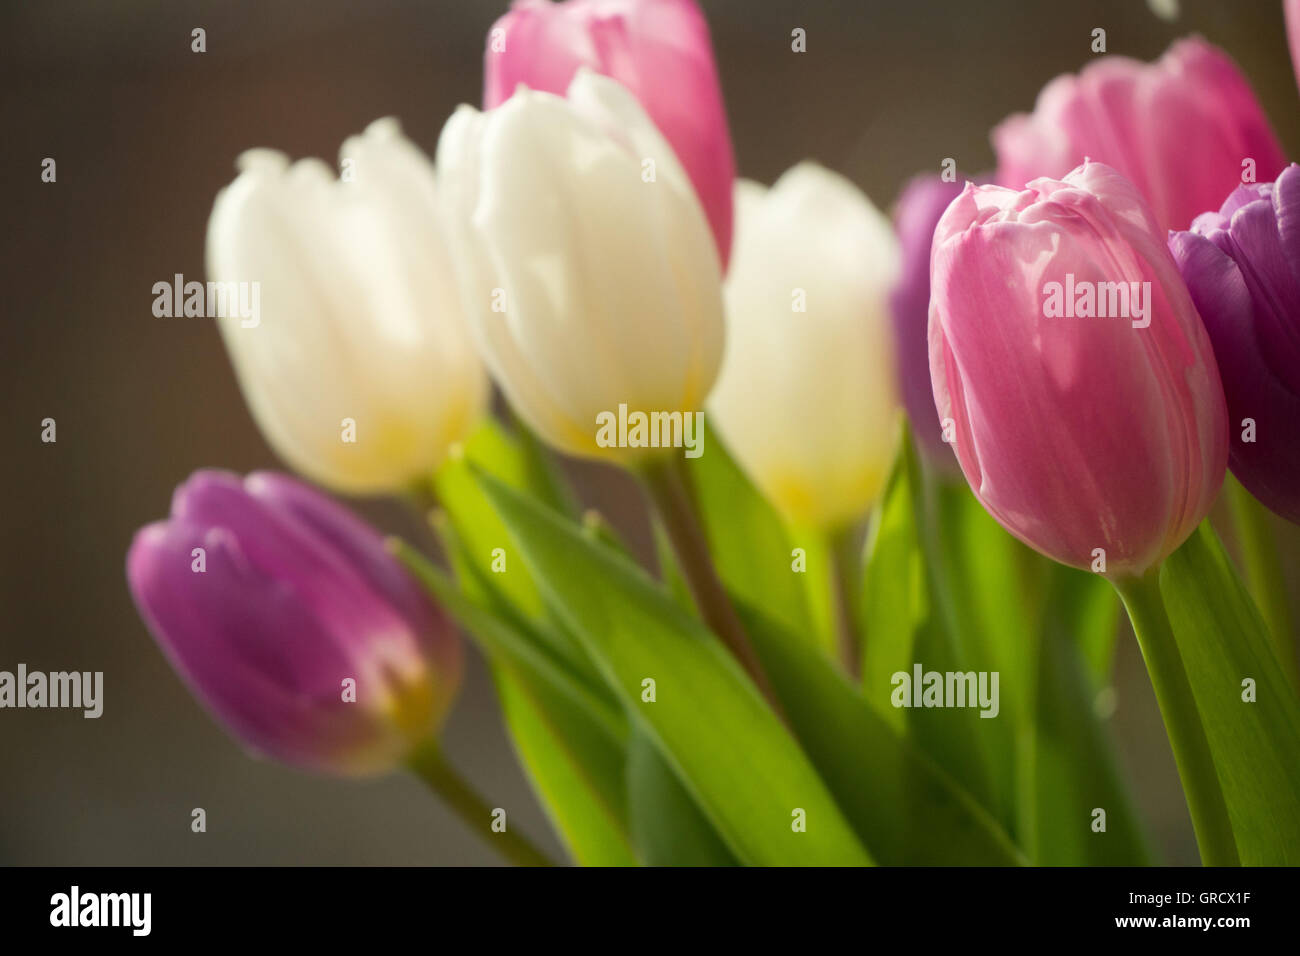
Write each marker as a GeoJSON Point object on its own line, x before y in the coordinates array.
{"type": "Point", "coordinates": [145, 132]}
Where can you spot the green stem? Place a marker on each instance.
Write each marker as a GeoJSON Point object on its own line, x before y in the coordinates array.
{"type": "Point", "coordinates": [1201, 786]}
{"type": "Point", "coordinates": [420, 496]}
{"type": "Point", "coordinates": [666, 486]}
{"type": "Point", "coordinates": [844, 570]}
{"type": "Point", "coordinates": [422, 503]}
{"type": "Point", "coordinates": [429, 764]}
{"type": "Point", "coordinates": [1254, 527]}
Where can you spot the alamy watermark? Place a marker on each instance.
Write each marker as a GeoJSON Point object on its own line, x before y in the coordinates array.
{"type": "Point", "coordinates": [924, 688]}
{"type": "Point", "coordinates": [213, 300]}
{"type": "Point", "coordinates": [36, 689]}
{"type": "Point", "coordinates": [1101, 300]}
{"type": "Point", "coordinates": [74, 908]}
{"type": "Point", "coordinates": [651, 430]}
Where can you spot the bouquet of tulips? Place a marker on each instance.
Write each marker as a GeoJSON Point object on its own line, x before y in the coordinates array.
{"type": "Point", "coordinates": [902, 474]}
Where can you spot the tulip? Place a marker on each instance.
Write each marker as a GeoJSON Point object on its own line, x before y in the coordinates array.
{"type": "Point", "coordinates": [1089, 416]}
{"type": "Point", "coordinates": [287, 617]}
{"type": "Point", "coordinates": [922, 202]}
{"type": "Point", "coordinates": [588, 262]}
{"type": "Point", "coordinates": [1242, 266]}
{"type": "Point", "coordinates": [1184, 130]}
{"type": "Point", "coordinates": [658, 49]}
{"type": "Point", "coordinates": [362, 372]}
{"type": "Point", "coordinates": [1076, 433]}
{"type": "Point", "coordinates": [807, 399]}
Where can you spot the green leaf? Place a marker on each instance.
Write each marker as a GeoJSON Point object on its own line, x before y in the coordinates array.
{"type": "Point", "coordinates": [1074, 765]}
{"type": "Point", "coordinates": [474, 521]}
{"type": "Point", "coordinates": [710, 724]}
{"type": "Point", "coordinates": [895, 603]}
{"type": "Point", "coordinates": [503, 639]}
{"type": "Point", "coordinates": [1049, 631]}
{"type": "Point", "coordinates": [577, 768]}
{"type": "Point", "coordinates": [567, 729]}
{"type": "Point", "coordinates": [1256, 745]}
{"type": "Point", "coordinates": [945, 585]}
{"type": "Point", "coordinates": [751, 547]}
{"type": "Point", "coordinates": [903, 805]}
{"type": "Point", "coordinates": [475, 539]}
{"type": "Point", "coordinates": [1096, 633]}
{"type": "Point", "coordinates": [541, 471]}
{"type": "Point", "coordinates": [916, 551]}
{"type": "Point", "coordinates": [570, 736]}
{"type": "Point", "coordinates": [668, 828]}
{"type": "Point", "coordinates": [818, 580]}
{"type": "Point", "coordinates": [1256, 537]}
{"type": "Point", "coordinates": [670, 571]}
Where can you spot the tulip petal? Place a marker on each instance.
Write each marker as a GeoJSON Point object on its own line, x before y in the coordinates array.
{"type": "Point", "coordinates": [245, 645]}
{"type": "Point", "coordinates": [1048, 404]}
{"type": "Point", "coordinates": [1180, 129]}
{"type": "Point", "coordinates": [659, 51]}
{"type": "Point", "coordinates": [1268, 463]}
{"type": "Point", "coordinates": [1258, 251]}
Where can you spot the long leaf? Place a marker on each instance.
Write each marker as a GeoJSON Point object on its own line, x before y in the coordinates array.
{"type": "Point", "coordinates": [904, 806]}
{"type": "Point", "coordinates": [937, 636]}
{"type": "Point", "coordinates": [709, 723]}
{"type": "Point", "coordinates": [750, 546]}
{"type": "Point", "coordinates": [569, 732]}
{"type": "Point", "coordinates": [502, 639]}
{"type": "Point", "coordinates": [668, 828]}
{"type": "Point", "coordinates": [1255, 743]}
{"type": "Point", "coordinates": [1074, 769]}
{"type": "Point", "coordinates": [895, 603]}
{"type": "Point", "coordinates": [578, 769]}
{"type": "Point", "coordinates": [485, 540]}
{"type": "Point", "coordinates": [1045, 762]}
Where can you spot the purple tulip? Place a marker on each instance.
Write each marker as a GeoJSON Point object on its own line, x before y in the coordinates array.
{"type": "Point", "coordinates": [659, 49]}
{"type": "Point", "coordinates": [1180, 129]}
{"type": "Point", "coordinates": [287, 617]}
{"type": "Point", "coordinates": [918, 211]}
{"type": "Point", "coordinates": [1242, 265]}
{"type": "Point", "coordinates": [1083, 388]}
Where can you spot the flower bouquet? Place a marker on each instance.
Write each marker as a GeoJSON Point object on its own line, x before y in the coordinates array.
{"type": "Point", "coordinates": [902, 473]}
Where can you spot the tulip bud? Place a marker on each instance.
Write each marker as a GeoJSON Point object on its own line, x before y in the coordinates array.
{"type": "Point", "coordinates": [1242, 266]}
{"type": "Point", "coordinates": [287, 617]}
{"type": "Point", "coordinates": [807, 399]}
{"type": "Point", "coordinates": [1184, 130]}
{"type": "Point", "coordinates": [586, 260]}
{"type": "Point", "coordinates": [1089, 416]}
{"type": "Point", "coordinates": [919, 208]}
{"type": "Point", "coordinates": [361, 372]}
{"type": "Point", "coordinates": [658, 49]}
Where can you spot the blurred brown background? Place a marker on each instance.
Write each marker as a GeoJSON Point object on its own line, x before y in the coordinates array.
{"type": "Point", "coordinates": [145, 132]}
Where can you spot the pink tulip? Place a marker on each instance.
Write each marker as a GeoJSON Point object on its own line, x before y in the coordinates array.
{"type": "Point", "coordinates": [1077, 432]}
{"type": "Point", "coordinates": [658, 49]}
{"type": "Point", "coordinates": [1180, 129]}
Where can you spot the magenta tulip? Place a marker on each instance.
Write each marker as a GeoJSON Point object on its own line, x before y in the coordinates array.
{"type": "Point", "coordinates": [1084, 395]}
{"type": "Point", "coordinates": [1184, 130]}
{"type": "Point", "coordinates": [917, 213]}
{"type": "Point", "coordinates": [286, 616]}
{"type": "Point", "coordinates": [1242, 266]}
{"type": "Point", "coordinates": [658, 49]}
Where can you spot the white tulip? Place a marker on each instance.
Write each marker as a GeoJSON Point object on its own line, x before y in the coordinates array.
{"type": "Point", "coordinates": [588, 266]}
{"type": "Point", "coordinates": [361, 372]}
{"type": "Point", "coordinates": [807, 398]}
